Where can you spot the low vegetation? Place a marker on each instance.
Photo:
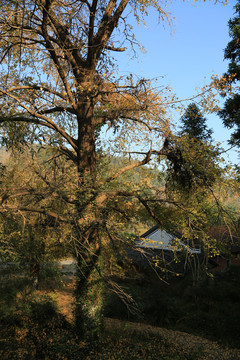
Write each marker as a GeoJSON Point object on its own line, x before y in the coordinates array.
{"type": "Point", "coordinates": [32, 324]}
{"type": "Point", "coordinates": [205, 309]}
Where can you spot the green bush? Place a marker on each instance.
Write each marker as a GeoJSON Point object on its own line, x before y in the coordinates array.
{"type": "Point", "coordinates": [43, 310]}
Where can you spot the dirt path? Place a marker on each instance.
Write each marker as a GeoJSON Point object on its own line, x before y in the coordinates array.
{"type": "Point", "coordinates": [65, 298]}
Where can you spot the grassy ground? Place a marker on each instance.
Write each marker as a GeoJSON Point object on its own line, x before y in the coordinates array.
{"type": "Point", "coordinates": [39, 325]}
{"type": "Point", "coordinates": [57, 341]}
{"type": "Point", "coordinates": [34, 327]}
{"type": "Point", "coordinates": [45, 334]}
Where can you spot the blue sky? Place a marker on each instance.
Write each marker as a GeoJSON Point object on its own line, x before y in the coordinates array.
{"type": "Point", "coordinates": [188, 56]}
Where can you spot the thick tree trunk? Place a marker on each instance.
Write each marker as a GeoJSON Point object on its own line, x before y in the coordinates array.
{"type": "Point", "coordinates": [87, 228]}
{"type": "Point", "coordinates": [86, 144]}
{"type": "Point", "coordinates": [88, 315]}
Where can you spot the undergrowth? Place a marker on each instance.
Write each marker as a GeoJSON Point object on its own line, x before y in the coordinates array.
{"type": "Point", "coordinates": [38, 331]}
{"type": "Point", "coordinates": [209, 309]}
{"type": "Point", "coordinates": [32, 327]}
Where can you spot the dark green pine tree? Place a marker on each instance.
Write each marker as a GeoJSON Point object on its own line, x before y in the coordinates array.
{"type": "Point", "coordinates": [230, 114]}
{"type": "Point", "coordinates": [194, 125]}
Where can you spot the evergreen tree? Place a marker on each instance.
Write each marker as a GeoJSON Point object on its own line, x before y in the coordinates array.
{"type": "Point", "coordinates": [194, 124]}
{"type": "Point", "coordinates": [230, 114]}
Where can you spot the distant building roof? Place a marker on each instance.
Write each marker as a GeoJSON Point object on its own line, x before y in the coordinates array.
{"type": "Point", "coordinates": [161, 239]}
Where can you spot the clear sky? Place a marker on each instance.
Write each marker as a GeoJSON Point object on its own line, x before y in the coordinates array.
{"type": "Point", "coordinates": [188, 56]}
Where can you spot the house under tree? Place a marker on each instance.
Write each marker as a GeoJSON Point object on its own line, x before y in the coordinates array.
{"type": "Point", "coordinates": [159, 239]}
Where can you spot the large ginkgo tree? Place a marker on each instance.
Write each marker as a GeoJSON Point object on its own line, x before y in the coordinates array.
{"type": "Point", "coordinates": [60, 88]}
